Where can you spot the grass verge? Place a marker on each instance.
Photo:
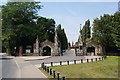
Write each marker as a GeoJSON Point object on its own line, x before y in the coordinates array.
{"type": "Point", "coordinates": [107, 68]}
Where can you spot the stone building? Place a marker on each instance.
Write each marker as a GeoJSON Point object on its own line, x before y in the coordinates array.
{"type": "Point", "coordinates": [87, 48]}
{"type": "Point", "coordinates": [48, 48]}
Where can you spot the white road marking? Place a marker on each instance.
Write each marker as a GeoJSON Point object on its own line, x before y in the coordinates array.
{"type": "Point", "coordinates": [18, 69]}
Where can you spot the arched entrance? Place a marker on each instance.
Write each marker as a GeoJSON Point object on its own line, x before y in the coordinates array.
{"type": "Point", "coordinates": [97, 49]}
{"type": "Point", "coordinates": [46, 51]}
{"type": "Point", "coordinates": [90, 50]}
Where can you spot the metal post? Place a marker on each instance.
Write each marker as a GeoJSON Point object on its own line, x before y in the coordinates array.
{"type": "Point", "coordinates": [63, 78]}
{"type": "Point", "coordinates": [99, 58]}
{"type": "Point", "coordinates": [58, 76]}
{"type": "Point", "coordinates": [53, 74]}
{"type": "Point", "coordinates": [42, 65]}
{"type": "Point", "coordinates": [87, 60]}
{"type": "Point", "coordinates": [74, 61]}
{"type": "Point", "coordinates": [51, 63]}
{"type": "Point", "coordinates": [102, 57]}
{"type": "Point", "coordinates": [45, 68]}
{"type": "Point", "coordinates": [91, 60]}
{"type": "Point", "coordinates": [81, 60]}
{"type": "Point", "coordinates": [60, 62]}
{"type": "Point", "coordinates": [96, 59]}
{"type": "Point", "coordinates": [50, 71]}
{"type": "Point", "coordinates": [68, 62]}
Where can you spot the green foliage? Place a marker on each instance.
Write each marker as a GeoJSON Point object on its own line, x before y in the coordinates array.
{"type": "Point", "coordinates": [116, 29]}
{"type": "Point", "coordinates": [21, 25]}
{"type": "Point", "coordinates": [106, 31]}
{"type": "Point", "coordinates": [16, 20]}
{"type": "Point", "coordinates": [62, 37]}
{"type": "Point", "coordinates": [86, 31]}
{"type": "Point", "coordinates": [45, 29]}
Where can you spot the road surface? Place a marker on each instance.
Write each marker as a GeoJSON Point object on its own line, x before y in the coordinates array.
{"type": "Point", "coordinates": [18, 68]}
{"type": "Point", "coordinates": [68, 55]}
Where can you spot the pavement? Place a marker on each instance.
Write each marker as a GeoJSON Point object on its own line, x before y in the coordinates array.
{"type": "Point", "coordinates": [28, 70]}
{"type": "Point", "coordinates": [3, 54]}
{"type": "Point", "coordinates": [31, 58]}
{"type": "Point", "coordinates": [17, 67]}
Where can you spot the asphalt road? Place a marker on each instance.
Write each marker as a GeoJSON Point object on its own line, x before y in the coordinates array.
{"type": "Point", "coordinates": [9, 68]}
{"type": "Point", "coordinates": [0, 68]}
{"type": "Point", "coordinates": [68, 55]}
{"type": "Point", "coordinates": [15, 67]}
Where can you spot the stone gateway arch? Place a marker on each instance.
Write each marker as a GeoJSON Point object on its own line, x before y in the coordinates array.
{"type": "Point", "coordinates": [48, 48]}
{"type": "Point", "coordinates": [98, 48]}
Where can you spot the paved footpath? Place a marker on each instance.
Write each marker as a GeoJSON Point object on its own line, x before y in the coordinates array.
{"type": "Point", "coordinates": [27, 70]}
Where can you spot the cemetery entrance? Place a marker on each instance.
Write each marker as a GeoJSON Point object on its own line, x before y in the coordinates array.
{"type": "Point", "coordinates": [46, 51]}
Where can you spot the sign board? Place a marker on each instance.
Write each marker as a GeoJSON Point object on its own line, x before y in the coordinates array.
{"type": "Point", "coordinates": [28, 51]}
{"type": "Point", "coordinates": [45, 51]}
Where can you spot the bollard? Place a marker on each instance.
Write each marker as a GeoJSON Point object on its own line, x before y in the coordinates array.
{"type": "Point", "coordinates": [87, 60]}
{"type": "Point", "coordinates": [51, 63]}
{"type": "Point", "coordinates": [81, 60]}
{"type": "Point", "coordinates": [58, 76]}
{"type": "Point", "coordinates": [53, 74]}
{"type": "Point", "coordinates": [45, 68]}
{"type": "Point", "coordinates": [102, 57]}
{"type": "Point", "coordinates": [91, 60]}
{"type": "Point", "coordinates": [74, 61]}
{"type": "Point", "coordinates": [99, 58]}
{"type": "Point", "coordinates": [60, 62]}
{"type": "Point", "coordinates": [42, 65]}
{"type": "Point", "coordinates": [63, 78]}
{"type": "Point", "coordinates": [50, 71]}
{"type": "Point", "coordinates": [68, 62]}
{"type": "Point", "coordinates": [96, 59]}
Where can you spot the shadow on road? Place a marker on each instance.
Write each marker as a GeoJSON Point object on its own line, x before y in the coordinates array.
{"type": "Point", "coordinates": [6, 58]}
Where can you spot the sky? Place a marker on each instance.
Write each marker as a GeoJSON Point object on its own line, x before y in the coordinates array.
{"type": "Point", "coordinates": [71, 14]}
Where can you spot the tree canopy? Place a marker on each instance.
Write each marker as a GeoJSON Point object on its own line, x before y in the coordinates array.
{"type": "Point", "coordinates": [85, 32]}
{"type": "Point", "coordinates": [21, 24]}
{"type": "Point", "coordinates": [62, 37]}
{"type": "Point", "coordinates": [106, 31]}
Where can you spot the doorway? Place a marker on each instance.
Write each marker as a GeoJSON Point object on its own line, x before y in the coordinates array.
{"type": "Point", "coordinates": [46, 51]}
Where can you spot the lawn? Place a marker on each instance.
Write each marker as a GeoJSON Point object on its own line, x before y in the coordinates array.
{"type": "Point", "coordinates": [107, 68]}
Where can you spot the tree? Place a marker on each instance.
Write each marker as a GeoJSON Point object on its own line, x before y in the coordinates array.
{"type": "Point", "coordinates": [62, 37]}
{"type": "Point", "coordinates": [86, 31]}
{"type": "Point", "coordinates": [106, 32]}
{"type": "Point", "coordinates": [18, 21]}
{"type": "Point", "coordinates": [45, 29]}
{"type": "Point", "coordinates": [116, 29]}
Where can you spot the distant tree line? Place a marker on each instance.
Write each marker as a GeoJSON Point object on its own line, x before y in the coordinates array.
{"type": "Point", "coordinates": [21, 24]}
